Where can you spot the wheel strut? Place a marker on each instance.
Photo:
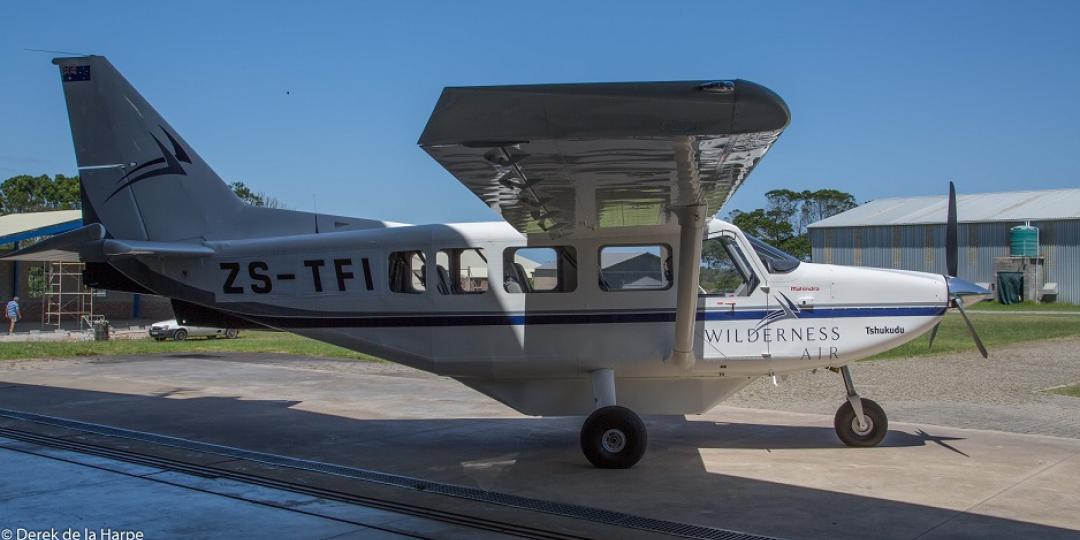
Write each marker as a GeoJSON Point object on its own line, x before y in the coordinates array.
{"type": "Point", "coordinates": [603, 387]}
{"type": "Point", "coordinates": [853, 397]}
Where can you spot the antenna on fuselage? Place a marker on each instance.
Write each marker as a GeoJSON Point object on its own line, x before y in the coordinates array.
{"type": "Point", "coordinates": [315, 211]}
{"type": "Point", "coordinates": [46, 51]}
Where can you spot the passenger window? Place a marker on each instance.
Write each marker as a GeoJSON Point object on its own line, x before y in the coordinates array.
{"type": "Point", "coordinates": [547, 269]}
{"type": "Point", "coordinates": [725, 270]}
{"type": "Point", "coordinates": [461, 271]}
{"type": "Point", "coordinates": [407, 272]}
{"type": "Point", "coordinates": [635, 268]}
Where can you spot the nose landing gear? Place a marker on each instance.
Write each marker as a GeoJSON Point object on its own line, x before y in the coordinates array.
{"type": "Point", "coordinates": [612, 437]}
{"type": "Point", "coordinates": [859, 422]}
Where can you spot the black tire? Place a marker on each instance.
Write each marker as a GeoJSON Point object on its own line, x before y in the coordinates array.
{"type": "Point", "coordinates": [613, 438]}
{"type": "Point", "coordinates": [847, 427]}
{"type": "Point", "coordinates": [179, 335]}
{"type": "Point", "coordinates": [231, 333]}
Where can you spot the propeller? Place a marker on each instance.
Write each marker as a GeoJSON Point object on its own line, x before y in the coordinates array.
{"type": "Point", "coordinates": [952, 230]}
{"type": "Point", "coordinates": [958, 288]}
{"type": "Point", "coordinates": [971, 328]}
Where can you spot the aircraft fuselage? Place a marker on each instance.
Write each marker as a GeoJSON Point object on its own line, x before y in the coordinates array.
{"type": "Point", "coordinates": [534, 350]}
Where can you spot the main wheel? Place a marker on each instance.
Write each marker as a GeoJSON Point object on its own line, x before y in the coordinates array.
{"type": "Point", "coordinates": [231, 333]}
{"type": "Point", "coordinates": [180, 335]}
{"type": "Point", "coordinates": [613, 438]}
{"type": "Point", "coordinates": [847, 426]}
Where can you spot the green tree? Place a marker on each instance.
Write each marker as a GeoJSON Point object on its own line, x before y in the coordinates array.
{"type": "Point", "coordinates": [25, 193]}
{"type": "Point", "coordinates": [823, 203]}
{"type": "Point", "coordinates": [254, 198]}
{"type": "Point", "coordinates": [770, 225]}
{"type": "Point", "coordinates": [35, 281]}
{"type": "Point", "coordinates": [783, 223]}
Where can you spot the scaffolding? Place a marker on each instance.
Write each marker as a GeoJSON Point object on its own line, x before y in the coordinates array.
{"type": "Point", "coordinates": [65, 297]}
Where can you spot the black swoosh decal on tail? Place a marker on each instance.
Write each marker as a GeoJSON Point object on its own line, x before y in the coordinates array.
{"type": "Point", "coordinates": [172, 167]}
{"type": "Point", "coordinates": [178, 150]}
{"type": "Point", "coordinates": [155, 161]}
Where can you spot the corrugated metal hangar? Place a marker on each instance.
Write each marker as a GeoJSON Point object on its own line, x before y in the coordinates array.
{"type": "Point", "coordinates": [909, 233]}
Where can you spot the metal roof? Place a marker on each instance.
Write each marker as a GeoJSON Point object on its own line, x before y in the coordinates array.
{"type": "Point", "coordinates": [1050, 204]}
{"type": "Point", "coordinates": [17, 227]}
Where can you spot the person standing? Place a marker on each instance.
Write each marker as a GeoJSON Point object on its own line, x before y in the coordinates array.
{"type": "Point", "coordinates": [13, 313]}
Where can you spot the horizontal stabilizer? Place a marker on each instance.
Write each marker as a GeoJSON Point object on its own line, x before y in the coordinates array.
{"type": "Point", "coordinates": [88, 244]}
{"type": "Point", "coordinates": [82, 244]}
{"type": "Point", "coordinates": [121, 248]}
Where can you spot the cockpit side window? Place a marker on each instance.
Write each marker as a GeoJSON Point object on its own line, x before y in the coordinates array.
{"type": "Point", "coordinates": [725, 269]}
{"type": "Point", "coordinates": [776, 261]}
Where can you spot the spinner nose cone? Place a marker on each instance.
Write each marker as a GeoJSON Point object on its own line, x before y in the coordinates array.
{"type": "Point", "coordinates": [961, 287]}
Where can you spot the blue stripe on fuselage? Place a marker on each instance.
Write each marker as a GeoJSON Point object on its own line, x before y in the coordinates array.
{"type": "Point", "coordinates": [602, 317]}
{"type": "Point", "coordinates": [826, 313]}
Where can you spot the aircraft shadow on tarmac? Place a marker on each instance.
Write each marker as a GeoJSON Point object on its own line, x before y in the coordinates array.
{"type": "Point", "coordinates": [539, 457]}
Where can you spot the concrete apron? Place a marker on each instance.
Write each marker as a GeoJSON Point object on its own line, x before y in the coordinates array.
{"type": "Point", "coordinates": [764, 472]}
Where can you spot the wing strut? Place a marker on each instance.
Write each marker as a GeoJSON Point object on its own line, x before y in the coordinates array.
{"type": "Point", "coordinates": [691, 227]}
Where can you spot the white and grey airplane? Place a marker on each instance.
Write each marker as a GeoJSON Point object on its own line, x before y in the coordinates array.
{"type": "Point", "coordinates": [606, 292]}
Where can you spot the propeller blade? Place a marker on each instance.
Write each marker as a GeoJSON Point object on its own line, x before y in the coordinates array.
{"type": "Point", "coordinates": [951, 231]}
{"type": "Point", "coordinates": [971, 328]}
{"type": "Point", "coordinates": [933, 334]}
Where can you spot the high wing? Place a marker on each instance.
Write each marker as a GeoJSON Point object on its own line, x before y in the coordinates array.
{"type": "Point", "coordinates": [570, 158]}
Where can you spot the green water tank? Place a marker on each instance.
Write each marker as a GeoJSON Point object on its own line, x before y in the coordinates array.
{"type": "Point", "coordinates": [1024, 241]}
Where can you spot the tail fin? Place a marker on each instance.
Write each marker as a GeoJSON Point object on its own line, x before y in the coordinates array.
{"type": "Point", "coordinates": [140, 179]}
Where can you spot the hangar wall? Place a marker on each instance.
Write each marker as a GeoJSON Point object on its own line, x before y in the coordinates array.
{"type": "Point", "coordinates": [922, 248]}
{"type": "Point", "coordinates": [114, 305]}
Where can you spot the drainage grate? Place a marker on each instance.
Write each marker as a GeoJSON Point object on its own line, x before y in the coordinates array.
{"type": "Point", "coordinates": [596, 515]}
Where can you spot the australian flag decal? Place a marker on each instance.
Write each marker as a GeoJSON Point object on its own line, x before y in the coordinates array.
{"type": "Point", "coordinates": [75, 73]}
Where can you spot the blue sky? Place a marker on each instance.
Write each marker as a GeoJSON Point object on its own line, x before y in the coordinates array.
{"type": "Point", "coordinates": [887, 98]}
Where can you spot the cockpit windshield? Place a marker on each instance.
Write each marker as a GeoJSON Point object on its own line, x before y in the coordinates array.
{"type": "Point", "coordinates": [775, 260]}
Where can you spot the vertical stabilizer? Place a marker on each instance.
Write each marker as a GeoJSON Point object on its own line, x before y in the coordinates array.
{"type": "Point", "coordinates": [140, 179]}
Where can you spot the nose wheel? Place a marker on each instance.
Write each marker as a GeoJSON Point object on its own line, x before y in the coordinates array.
{"type": "Point", "coordinates": [859, 422]}
{"type": "Point", "coordinates": [613, 437]}
{"type": "Point", "coordinates": [875, 424]}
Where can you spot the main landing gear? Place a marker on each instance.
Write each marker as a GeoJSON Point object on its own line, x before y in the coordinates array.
{"type": "Point", "coordinates": [612, 437]}
{"type": "Point", "coordinates": [859, 422]}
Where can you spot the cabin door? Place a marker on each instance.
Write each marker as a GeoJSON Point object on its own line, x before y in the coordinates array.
{"type": "Point", "coordinates": [734, 294]}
